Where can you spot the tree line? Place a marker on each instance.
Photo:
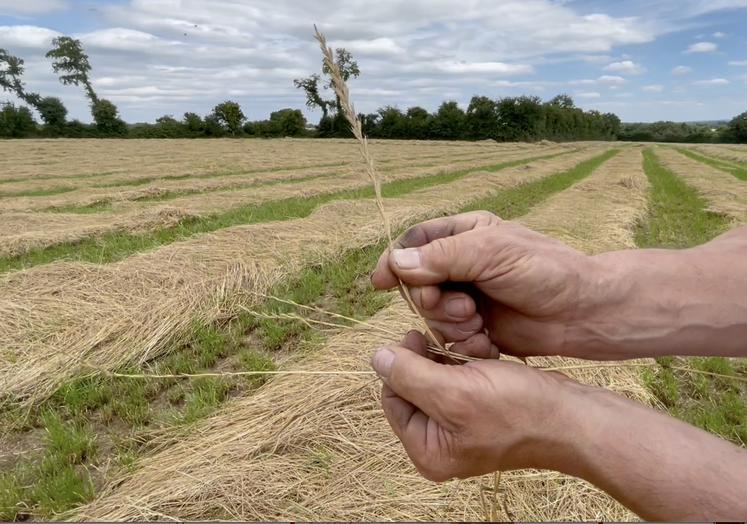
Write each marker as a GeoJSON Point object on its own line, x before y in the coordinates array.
{"type": "Point", "coordinates": [522, 118]}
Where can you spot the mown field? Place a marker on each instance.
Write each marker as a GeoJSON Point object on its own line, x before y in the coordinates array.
{"type": "Point", "coordinates": [175, 258]}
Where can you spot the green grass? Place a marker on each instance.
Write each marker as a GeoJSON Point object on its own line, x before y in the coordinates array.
{"type": "Point", "coordinates": [55, 482]}
{"type": "Point", "coordinates": [678, 218]}
{"type": "Point", "coordinates": [518, 201]}
{"type": "Point", "coordinates": [37, 192]}
{"type": "Point", "coordinates": [678, 215]}
{"type": "Point", "coordinates": [739, 171]}
{"type": "Point", "coordinates": [111, 247]}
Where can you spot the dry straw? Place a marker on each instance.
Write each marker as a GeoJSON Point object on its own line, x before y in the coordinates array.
{"type": "Point", "coordinates": [343, 94]}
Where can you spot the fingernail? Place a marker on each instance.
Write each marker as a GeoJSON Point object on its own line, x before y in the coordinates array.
{"type": "Point", "coordinates": [456, 307]}
{"type": "Point", "coordinates": [407, 258]}
{"type": "Point", "coordinates": [382, 362]}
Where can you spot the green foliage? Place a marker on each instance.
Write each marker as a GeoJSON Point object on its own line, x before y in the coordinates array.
{"type": "Point", "coordinates": [16, 122]}
{"type": "Point", "coordinates": [449, 122]}
{"type": "Point", "coordinates": [230, 115]}
{"type": "Point", "coordinates": [678, 216]}
{"type": "Point", "coordinates": [286, 122]}
{"type": "Point", "coordinates": [71, 63]}
{"type": "Point", "coordinates": [106, 116]}
{"type": "Point", "coordinates": [54, 115]}
{"type": "Point", "coordinates": [55, 482]}
{"type": "Point", "coordinates": [736, 130]}
{"type": "Point", "coordinates": [336, 125]}
{"type": "Point", "coordinates": [667, 132]}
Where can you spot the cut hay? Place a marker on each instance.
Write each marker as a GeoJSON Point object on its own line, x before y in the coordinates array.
{"type": "Point", "coordinates": [599, 213]}
{"type": "Point", "coordinates": [722, 152]}
{"type": "Point", "coordinates": [57, 319]}
{"type": "Point", "coordinates": [318, 448]}
{"type": "Point", "coordinates": [725, 194]}
{"type": "Point", "coordinates": [31, 230]}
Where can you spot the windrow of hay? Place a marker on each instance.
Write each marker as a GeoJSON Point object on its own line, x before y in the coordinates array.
{"type": "Point", "coordinates": [102, 161]}
{"type": "Point", "coordinates": [57, 319]}
{"type": "Point", "coordinates": [123, 198]}
{"type": "Point", "coordinates": [578, 217]}
{"type": "Point", "coordinates": [26, 231]}
{"type": "Point", "coordinates": [724, 193]}
{"type": "Point", "coordinates": [318, 447]}
{"type": "Point", "coordinates": [722, 152]}
{"type": "Point", "coordinates": [129, 183]}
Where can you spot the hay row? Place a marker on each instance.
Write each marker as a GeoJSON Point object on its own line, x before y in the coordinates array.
{"type": "Point", "coordinates": [318, 448]}
{"type": "Point", "coordinates": [57, 318]}
{"type": "Point", "coordinates": [725, 194]}
{"type": "Point", "coordinates": [732, 154]}
{"type": "Point", "coordinates": [25, 231]}
{"type": "Point", "coordinates": [123, 196]}
{"type": "Point", "coordinates": [167, 176]}
{"type": "Point", "coordinates": [104, 159]}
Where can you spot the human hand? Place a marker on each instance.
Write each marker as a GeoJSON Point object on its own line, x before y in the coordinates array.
{"type": "Point", "coordinates": [485, 284]}
{"type": "Point", "coordinates": [464, 421]}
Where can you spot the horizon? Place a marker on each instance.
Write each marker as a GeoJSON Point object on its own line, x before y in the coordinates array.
{"type": "Point", "coordinates": [644, 61]}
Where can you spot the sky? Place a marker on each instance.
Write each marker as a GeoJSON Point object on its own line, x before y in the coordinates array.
{"type": "Point", "coordinates": [682, 60]}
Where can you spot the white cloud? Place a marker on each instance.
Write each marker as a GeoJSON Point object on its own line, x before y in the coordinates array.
{"type": "Point", "coordinates": [718, 34]}
{"type": "Point", "coordinates": [611, 80]}
{"type": "Point", "coordinates": [712, 82]}
{"type": "Point", "coordinates": [625, 67]}
{"type": "Point", "coordinates": [31, 7]}
{"type": "Point", "coordinates": [375, 47]}
{"type": "Point", "coordinates": [702, 47]}
{"type": "Point", "coordinates": [487, 68]}
{"type": "Point", "coordinates": [682, 70]}
{"type": "Point", "coordinates": [26, 37]}
{"type": "Point", "coordinates": [738, 63]}
{"type": "Point", "coordinates": [588, 95]}
{"type": "Point", "coordinates": [653, 88]}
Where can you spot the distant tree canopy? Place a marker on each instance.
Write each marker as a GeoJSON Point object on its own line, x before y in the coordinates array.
{"type": "Point", "coordinates": [333, 122]}
{"type": "Point", "coordinates": [669, 132]}
{"type": "Point", "coordinates": [736, 130]}
{"type": "Point", "coordinates": [229, 114]}
{"type": "Point", "coordinates": [505, 119]}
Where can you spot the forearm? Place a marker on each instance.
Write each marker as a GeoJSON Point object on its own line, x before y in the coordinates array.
{"type": "Point", "coordinates": [657, 466]}
{"type": "Point", "coordinates": [669, 302]}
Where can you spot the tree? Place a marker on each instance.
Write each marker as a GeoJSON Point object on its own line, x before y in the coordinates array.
{"type": "Point", "coordinates": [52, 111]}
{"type": "Point", "coordinates": [449, 122]}
{"type": "Point", "coordinates": [106, 116]}
{"type": "Point", "coordinates": [482, 118]}
{"type": "Point", "coordinates": [736, 130]}
{"type": "Point", "coordinates": [54, 114]}
{"type": "Point", "coordinates": [194, 124]}
{"type": "Point", "coordinates": [71, 63]}
{"type": "Point", "coordinates": [288, 122]}
{"type": "Point", "coordinates": [230, 115]}
{"type": "Point", "coordinates": [336, 124]}
{"type": "Point", "coordinates": [562, 101]}
{"type": "Point", "coordinates": [418, 123]}
{"type": "Point", "coordinates": [16, 122]}
{"type": "Point", "coordinates": [521, 118]}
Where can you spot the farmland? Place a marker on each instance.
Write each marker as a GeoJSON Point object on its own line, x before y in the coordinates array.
{"type": "Point", "coordinates": [126, 258]}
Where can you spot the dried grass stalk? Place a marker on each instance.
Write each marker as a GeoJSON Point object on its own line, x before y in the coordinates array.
{"type": "Point", "coordinates": [341, 88]}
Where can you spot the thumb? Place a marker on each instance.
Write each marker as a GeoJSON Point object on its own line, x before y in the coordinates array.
{"type": "Point", "coordinates": [460, 258]}
{"type": "Point", "coordinates": [420, 381]}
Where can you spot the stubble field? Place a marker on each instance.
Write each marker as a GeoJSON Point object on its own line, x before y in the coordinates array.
{"type": "Point", "coordinates": [177, 258]}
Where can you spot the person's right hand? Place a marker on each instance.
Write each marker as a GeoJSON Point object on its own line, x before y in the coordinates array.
{"type": "Point", "coordinates": [485, 284]}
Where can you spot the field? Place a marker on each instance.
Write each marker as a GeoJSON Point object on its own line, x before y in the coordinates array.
{"type": "Point", "coordinates": [120, 259]}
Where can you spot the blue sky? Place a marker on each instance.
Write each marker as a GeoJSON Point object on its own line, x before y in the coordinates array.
{"type": "Point", "coordinates": [645, 61]}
